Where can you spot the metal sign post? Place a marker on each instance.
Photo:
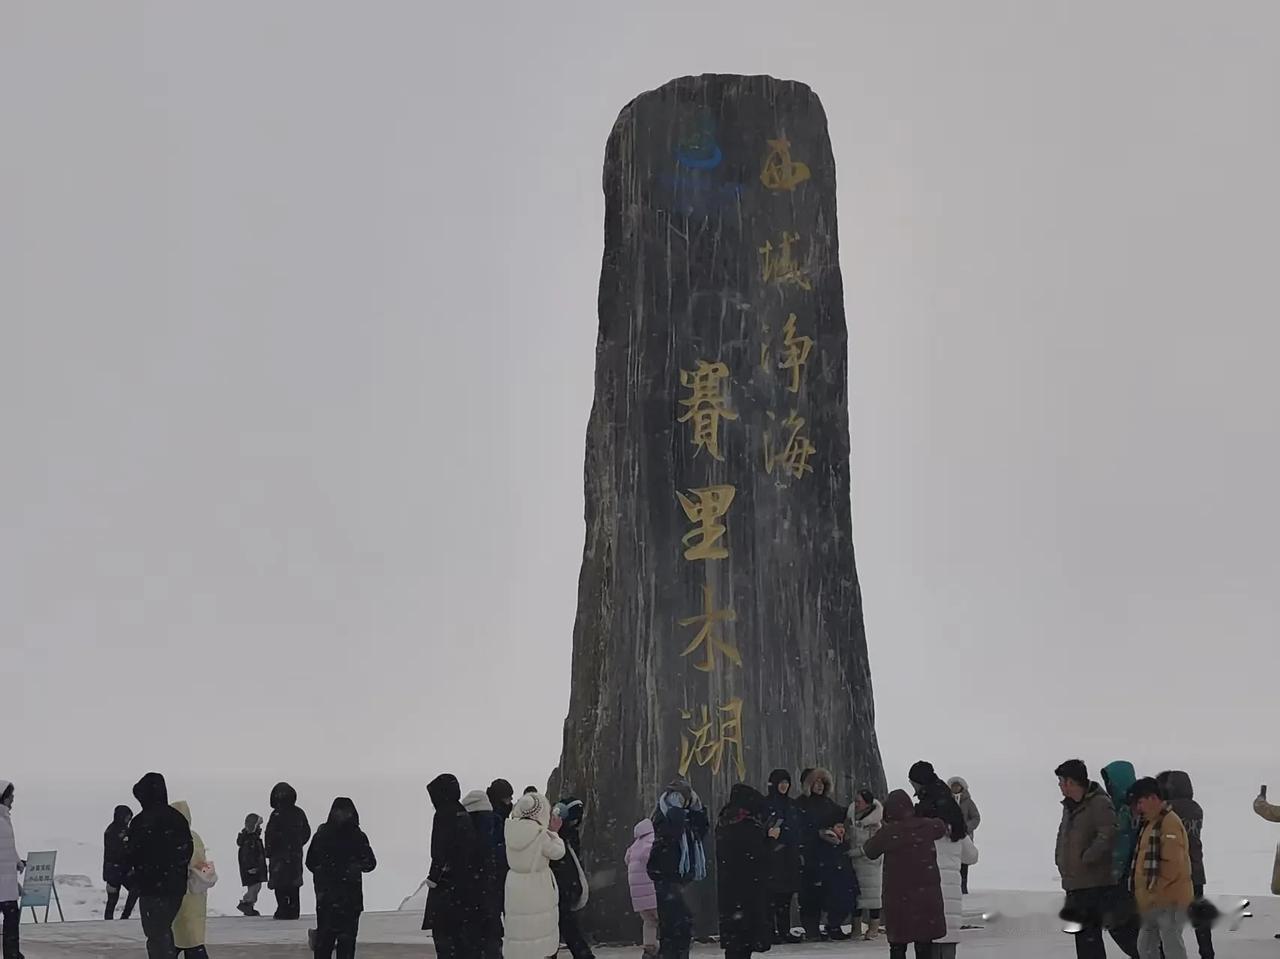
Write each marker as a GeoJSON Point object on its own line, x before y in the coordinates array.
{"type": "Point", "coordinates": [38, 886]}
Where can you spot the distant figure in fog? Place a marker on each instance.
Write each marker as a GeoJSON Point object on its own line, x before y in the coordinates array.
{"type": "Point", "coordinates": [339, 857]}
{"type": "Point", "coordinates": [160, 850]}
{"type": "Point", "coordinates": [115, 863]}
{"type": "Point", "coordinates": [252, 856]}
{"type": "Point", "coordinates": [287, 833]}
{"type": "Point", "coordinates": [972, 819]}
{"type": "Point", "coordinates": [190, 925]}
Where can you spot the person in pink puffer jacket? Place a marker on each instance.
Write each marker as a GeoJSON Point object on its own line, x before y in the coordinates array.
{"type": "Point", "coordinates": [644, 899]}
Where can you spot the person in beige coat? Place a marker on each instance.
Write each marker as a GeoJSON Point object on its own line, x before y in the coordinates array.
{"type": "Point", "coordinates": [1270, 813]}
{"type": "Point", "coordinates": [189, 927]}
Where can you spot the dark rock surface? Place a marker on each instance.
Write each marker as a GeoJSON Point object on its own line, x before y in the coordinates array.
{"type": "Point", "coordinates": [719, 615]}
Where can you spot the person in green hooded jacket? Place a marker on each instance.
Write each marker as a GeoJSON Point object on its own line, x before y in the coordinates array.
{"type": "Point", "coordinates": [1123, 922]}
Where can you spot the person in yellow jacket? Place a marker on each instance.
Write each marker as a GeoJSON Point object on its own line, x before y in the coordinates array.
{"type": "Point", "coordinates": [1161, 874]}
{"type": "Point", "coordinates": [189, 926]}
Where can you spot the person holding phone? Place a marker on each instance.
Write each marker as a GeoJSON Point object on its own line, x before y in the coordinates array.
{"type": "Point", "coordinates": [1271, 813]}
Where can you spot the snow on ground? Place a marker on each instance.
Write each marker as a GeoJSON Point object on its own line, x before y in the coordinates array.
{"type": "Point", "coordinates": [1027, 927]}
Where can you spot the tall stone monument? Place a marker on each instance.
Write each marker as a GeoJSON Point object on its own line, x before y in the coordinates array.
{"type": "Point", "coordinates": [719, 630]}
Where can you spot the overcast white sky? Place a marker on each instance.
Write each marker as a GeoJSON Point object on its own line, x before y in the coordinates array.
{"type": "Point", "coordinates": [298, 305]}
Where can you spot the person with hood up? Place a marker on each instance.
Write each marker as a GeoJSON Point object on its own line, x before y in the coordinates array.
{"type": "Point", "coordinates": [455, 882]}
{"type": "Point", "coordinates": [10, 865]}
{"type": "Point", "coordinates": [338, 859]}
{"type": "Point", "coordinates": [287, 834]}
{"type": "Point", "coordinates": [972, 819]}
{"type": "Point", "coordinates": [866, 816]}
{"type": "Point", "coordinates": [644, 900]}
{"type": "Point", "coordinates": [488, 929]}
{"type": "Point", "coordinates": [913, 907]}
{"type": "Point", "coordinates": [160, 849]}
{"type": "Point", "coordinates": [1178, 790]}
{"type": "Point", "coordinates": [955, 850]}
{"type": "Point", "coordinates": [785, 835]}
{"type": "Point", "coordinates": [827, 883]}
{"type": "Point", "coordinates": [571, 879]}
{"type": "Point", "coordinates": [189, 927]}
{"type": "Point", "coordinates": [1120, 913]}
{"type": "Point", "coordinates": [743, 859]}
{"type": "Point", "coordinates": [252, 856]}
{"type": "Point", "coordinates": [115, 863]}
{"type": "Point", "coordinates": [1161, 874]}
{"type": "Point", "coordinates": [531, 906]}
{"type": "Point", "coordinates": [934, 798]}
{"type": "Point", "coordinates": [678, 858]}
{"type": "Point", "coordinates": [1086, 842]}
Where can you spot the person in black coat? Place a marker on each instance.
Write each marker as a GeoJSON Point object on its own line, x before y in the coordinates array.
{"type": "Point", "coordinates": [784, 869]}
{"type": "Point", "coordinates": [287, 833]}
{"type": "Point", "coordinates": [1176, 787]}
{"type": "Point", "coordinates": [339, 857]}
{"type": "Point", "coordinates": [115, 862]}
{"type": "Point", "coordinates": [159, 849]}
{"type": "Point", "coordinates": [743, 860]}
{"type": "Point", "coordinates": [488, 929]}
{"type": "Point", "coordinates": [252, 856]}
{"type": "Point", "coordinates": [677, 858]}
{"type": "Point", "coordinates": [571, 879]}
{"type": "Point", "coordinates": [935, 800]}
{"type": "Point", "coordinates": [502, 799]}
{"type": "Point", "coordinates": [454, 898]}
{"type": "Point", "coordinates": [828, 884]}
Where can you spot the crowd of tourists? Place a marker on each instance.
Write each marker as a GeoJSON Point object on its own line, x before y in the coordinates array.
{"type": "Point", "coordinates": [507, 878]}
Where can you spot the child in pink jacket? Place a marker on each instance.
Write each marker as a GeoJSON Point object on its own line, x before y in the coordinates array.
{"type": "Point", "coordinates": [644, 899]}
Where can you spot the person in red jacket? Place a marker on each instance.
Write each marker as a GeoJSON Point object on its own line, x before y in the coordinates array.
{"type": "Point", "coordinates": [913, 909]}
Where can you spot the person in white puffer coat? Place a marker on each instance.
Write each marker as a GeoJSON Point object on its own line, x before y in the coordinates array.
{"type": "Point", "coordinates": [866, 816]}
{"type": "Point", "coordinates": [531, 902]}
{"type": "Point", "coordinates": [10, 864]}
{"type": "Point", "coordinates": [952, 854]}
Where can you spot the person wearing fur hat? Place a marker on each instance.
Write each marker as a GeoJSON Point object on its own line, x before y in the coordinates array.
{"type": "Point", "coordinates": [678, 858]}
{"type": "Point", "coordinates": [531, 908]}
{"type": "Point", "coordinates": [785, 835]}
{"type": "Point", "coordinates": [252, 856]}
{"type": "Point", "coordinates": [742, 878]}
{"type": "Point", "coordinates": [115, 862]}
{"type": "Point", "coordinates": [827, 885]}
{"type": "Point", "coordinates": [972, 819]}
{"type": "Point", "coordinates": [866, 816]}
{"type": "Point", "coordinates": [571, 879]}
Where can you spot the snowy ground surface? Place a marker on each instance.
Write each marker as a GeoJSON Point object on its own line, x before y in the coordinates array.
{"type": "Point", "coordinates": [1026, 927]}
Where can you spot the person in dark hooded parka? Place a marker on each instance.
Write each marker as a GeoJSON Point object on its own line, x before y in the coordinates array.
{"type": "Point", "coordinates": [454, 909]}
{"type": "Point", "coordinates": [935, 800]}
{"type": "Point", "coordinates": [287, 833]}
{"type": "Point", "coordinates": [115, 862]}
{"type": "Point", "coordinates": [743, 859]}
{"type": "Point", "coordinates": [785, 836]}
{"type": "Point", "coordinates": [913, 909]}
{"type": "Point", "coordinates": [828, 885]}
{"type": "Point", "coordinates": [339, 857]}
{"type": "Point", "coordinates": [160, 848]}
